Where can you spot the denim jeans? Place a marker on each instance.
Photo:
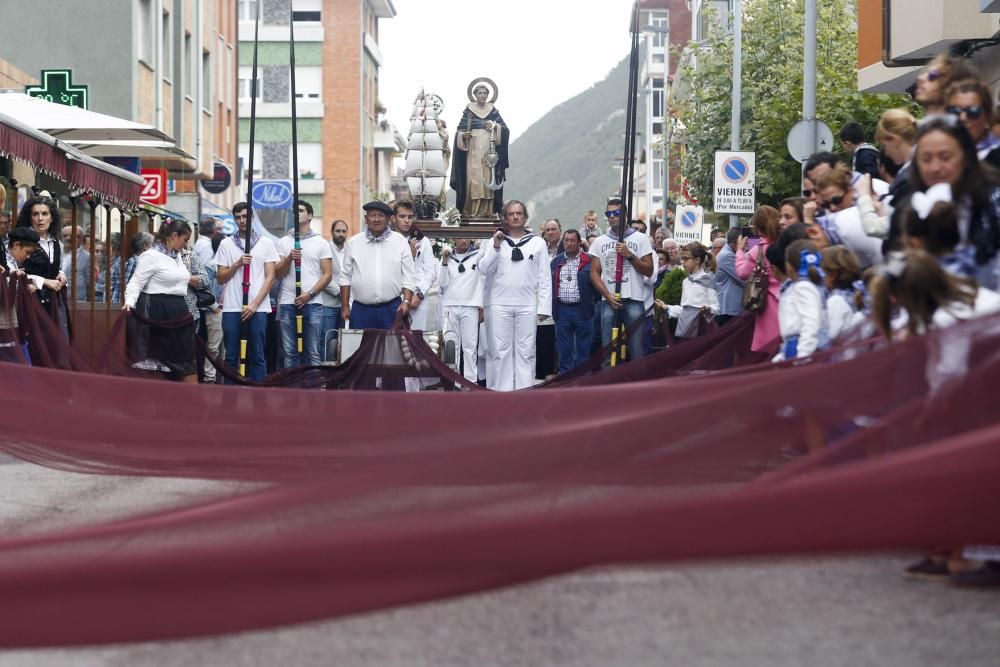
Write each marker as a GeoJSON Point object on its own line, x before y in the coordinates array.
{"type": "Point", "coordinates": [573, 336]}
{"type": "Point", "coordinates": [634, 311]}
{"type": "Point", "coordinates": [312, 334]}
{"type": "Point", "coordinates": [231, 326]}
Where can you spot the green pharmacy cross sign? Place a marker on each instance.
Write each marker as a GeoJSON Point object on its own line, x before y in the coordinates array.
{"type": "Point", "coordinates": [57, 87]}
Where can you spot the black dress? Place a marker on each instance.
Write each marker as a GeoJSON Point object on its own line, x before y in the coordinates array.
{"type": "Point", "coordinates": [54, 303]}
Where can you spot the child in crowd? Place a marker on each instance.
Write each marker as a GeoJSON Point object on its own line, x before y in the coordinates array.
{"type": "Point", "coordinates": [931, 224]}
{"type": "Point", "coordinates": [21, 244]}
{"type": "Point", "coordinates": [845, 303]}
{"type": "Point", "coordinates": [699, 300]}
{"type": "Point", "coordinates": [801, 307]}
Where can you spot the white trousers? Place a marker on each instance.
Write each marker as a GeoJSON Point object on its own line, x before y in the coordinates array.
{"type": "Point", "coordinates": [485, 361]}
{"type": "Point", "coordinates": [461, 324]}
{"type": "Point", "coordinates": [512, 347]}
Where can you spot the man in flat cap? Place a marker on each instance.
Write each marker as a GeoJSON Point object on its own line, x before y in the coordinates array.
{"type": "Point", "coordinates": [377, 272]}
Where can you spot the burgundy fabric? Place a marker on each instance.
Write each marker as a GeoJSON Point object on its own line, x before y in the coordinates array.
{"type": "Point", "coordinates": [370, 499]}
{"type": "Point", "coordinates": [91, 179]}
{"type": "Point", "coordinates": [37, 153]}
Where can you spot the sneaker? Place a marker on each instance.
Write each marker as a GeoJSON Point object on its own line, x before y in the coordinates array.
{"type": "Point", "coordinates": [927, 570]}
{"type": "Point", "coordinates": [987, 576]}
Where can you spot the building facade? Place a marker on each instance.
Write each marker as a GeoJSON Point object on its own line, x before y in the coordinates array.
{"type": "Point", "coordinates": [342, 151]}
{"type": "Point", "coordinates": [666, 26]}
{"type": "Point", "coordinates": [170, 64]}
{"type": "Point", "coordinates": [897, 37]}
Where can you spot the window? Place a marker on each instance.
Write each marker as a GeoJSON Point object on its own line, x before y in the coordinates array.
{"type": "Point", "coordinates": [660, 38]}
{"type": "Point", "coordinates": [308, 83]}
{"type": "Point", "coordinates": [310, 161]}
{"type": "Point", "coordinates": [258, 159]}
{"type": "Point", "coordinates": [656, 167]}
{"type": "Point", "coordinates": [190, 67]}
{"type": "Point", "coordinates": [307, 11]}
{"type": "Point", "coordinates": [227, 82]}
{"type": "Point", "coordinates": [146, 31]}
{"type": "Point", "coordinates": [245, 87]}
{"type": "Point", "coordinates": [206, 80]}
{"type": "Point", "coordinates": [168, 49]}
{"type": "Point", "coordinates": [657, 103]}
{"type": "Point", "coordinates": [248, 10]}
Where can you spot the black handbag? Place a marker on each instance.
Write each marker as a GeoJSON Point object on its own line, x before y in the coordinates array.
{"type": "Point", "coordinates": [204, 298]}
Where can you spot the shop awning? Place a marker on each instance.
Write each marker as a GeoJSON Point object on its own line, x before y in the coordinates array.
{"type": "Point", "coordinates": [75, 124]}
{"type": "Point", "coordinates": [26, 144]}
{"type": "Point", "coordinates": [164, 150]}
{"type": "Point", "coordinates": [102, 179]}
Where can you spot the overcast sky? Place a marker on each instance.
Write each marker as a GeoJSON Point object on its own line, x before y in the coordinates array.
{"type": "Point", "coordinates": [539, 52]}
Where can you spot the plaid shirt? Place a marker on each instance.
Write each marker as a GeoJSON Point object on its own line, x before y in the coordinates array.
{"type": "Point", "coordinates": [116, 280]}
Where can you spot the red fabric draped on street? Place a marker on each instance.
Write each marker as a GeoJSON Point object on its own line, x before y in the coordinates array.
{"type": "Point", "coordinates": [370, 499]}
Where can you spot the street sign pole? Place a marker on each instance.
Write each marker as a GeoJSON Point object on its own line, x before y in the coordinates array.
{"type": "Point", "coordinates": [809, 73]}
{"type": "Point", "coordinates": [737, 107]}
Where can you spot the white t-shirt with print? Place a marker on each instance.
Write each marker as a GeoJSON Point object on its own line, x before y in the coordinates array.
{"type": "Point", "coordinates": [232, 292]}
{"type": "Point", "coordinates": [633, 285]}
{"type": "Point", "coordinates": [314, 249]}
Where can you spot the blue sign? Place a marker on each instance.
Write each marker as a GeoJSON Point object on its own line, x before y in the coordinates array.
{"type": "Point", "coordinates": [272, 195]}
{"type": "Point", "coordinates": [735, 169]}
{"type": "Point", "coordinates": [689, 219]}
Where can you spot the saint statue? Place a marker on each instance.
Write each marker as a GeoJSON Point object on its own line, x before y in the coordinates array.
{"type": "Point", "coordinates": [479, 161]}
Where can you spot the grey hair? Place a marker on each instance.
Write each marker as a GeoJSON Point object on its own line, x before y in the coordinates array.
{"type": "Point", "coordinates": [141, 242]}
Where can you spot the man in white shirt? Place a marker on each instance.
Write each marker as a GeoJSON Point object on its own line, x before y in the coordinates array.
{"type": "Point", "coordinates": [332, 321]}
{"type": "Point", "coordinates": [636, 296]}
{"type": "Point", "coordinates": [424, 263]}
{"type": "Point", "coordinates": [207, 228]}
{"type": "Point", "coordinates": [378, 267]}
{"type": "Point", "coordinates": [520, 295]}
{"type": "Point", "coordinates": [462, 299]}
{"type": "Point", "coordinates": [231, 259]}
{"type": "Point", "coordinates": [315, 260]}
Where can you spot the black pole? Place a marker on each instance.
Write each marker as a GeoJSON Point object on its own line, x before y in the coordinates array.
{"type": "Point", "coordinates": [248, 231]}
{"type": "Point", "coordinates": [295, 182]}
{"type": "Point", "coordinates": [619, 349]}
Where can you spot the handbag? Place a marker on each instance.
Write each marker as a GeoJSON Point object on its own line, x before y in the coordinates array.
{"type": "Point", "coordinates": [204, 298]}
{"type": "Point", "coordinates": [754, 298]}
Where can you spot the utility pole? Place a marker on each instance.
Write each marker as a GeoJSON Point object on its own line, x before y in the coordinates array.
{"type": "Point", "coordinates": [809, 75]}
{"type": "Point", "coordinates": [737, 108]}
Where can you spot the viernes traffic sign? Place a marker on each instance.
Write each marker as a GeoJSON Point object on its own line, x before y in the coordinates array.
{"type": "Point", "coordinates": [688, 223]}
{"type": "Point", "coordinates": [735, 176]}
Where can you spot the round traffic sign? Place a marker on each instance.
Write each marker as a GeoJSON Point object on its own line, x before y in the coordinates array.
{"type": "Point", "coordinates": [735, 169]}
{"type": "Point", "coordinates": [798, 140]}
{"type": "Point", "coordinates": [689, 219]}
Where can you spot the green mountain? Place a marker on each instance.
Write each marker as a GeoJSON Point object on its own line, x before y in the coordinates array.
{"type": "Point", "coordinates": [563, 165]}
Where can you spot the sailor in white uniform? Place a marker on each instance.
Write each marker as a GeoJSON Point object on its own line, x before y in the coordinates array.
{"type": "Point", "coordinates": [461, 285]}
{"type": "Point", "coordinates": [424, 263]}
{"type": "Point", "coordinates": [516, 266]}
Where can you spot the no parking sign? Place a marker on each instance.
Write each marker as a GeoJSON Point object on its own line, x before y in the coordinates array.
{"type": "Point", "coordinates": [735, 175]}
{"type": "Point", "coordinates": [687, 224]}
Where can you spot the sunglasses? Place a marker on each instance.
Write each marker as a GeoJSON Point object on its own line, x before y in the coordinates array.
{"type": "Point", "coordinates": [973, 112]}
{"type": "Point", "coordinates": [932, 74]}
{"type": "Point", "coordinates": [613, 214]}
{"type": "Point", "coordinates": [807, 193]}
{"type": "Point", "coordinates": [833, 201]}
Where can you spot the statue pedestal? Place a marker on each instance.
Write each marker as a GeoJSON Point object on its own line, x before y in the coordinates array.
{"type": "Point", "coordinates": [469, 228]}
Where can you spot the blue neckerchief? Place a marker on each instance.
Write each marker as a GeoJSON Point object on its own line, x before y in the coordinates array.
{"type": "Point", "coordinates": [159, 247]}
{"type": "Point", "coordinates": [238, 240]}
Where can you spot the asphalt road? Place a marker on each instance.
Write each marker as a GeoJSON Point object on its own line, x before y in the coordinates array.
{"type": "Point", "coordinates": [832, 612]}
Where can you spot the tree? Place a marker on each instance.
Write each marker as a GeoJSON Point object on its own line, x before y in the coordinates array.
{"type": "Point", "coordinates": [772, 91]}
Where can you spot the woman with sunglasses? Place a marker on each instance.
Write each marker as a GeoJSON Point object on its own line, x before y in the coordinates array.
{"type": "Point", "coordinates": [946, 153]}
{"type": "Point", "coordinates": [971, 102]}
{"type": "Point", "coordinates": [843, 219]}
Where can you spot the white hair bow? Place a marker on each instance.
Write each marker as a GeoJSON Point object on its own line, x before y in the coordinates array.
{"type": "Point", "coordinates": [923, 202]}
